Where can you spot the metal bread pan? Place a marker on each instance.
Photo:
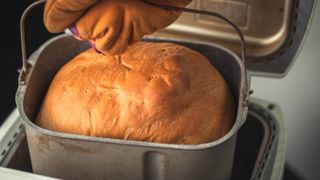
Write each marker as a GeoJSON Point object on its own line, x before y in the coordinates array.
{"type": "Point", "coordinates": [71, 156]}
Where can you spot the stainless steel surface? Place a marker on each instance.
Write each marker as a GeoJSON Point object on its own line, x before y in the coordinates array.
{"type": "Point", "coordinates": [210, 14]}
{"type": "Point", "coordinates": [52, 153]}
{"type": "Point", "coordinates": [274, 30]}
{"type": "Point", "coordinates": [265, 28]}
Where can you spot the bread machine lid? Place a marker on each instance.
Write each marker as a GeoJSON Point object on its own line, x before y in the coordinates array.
{"type": "Point", "coordinates": [274, 30]}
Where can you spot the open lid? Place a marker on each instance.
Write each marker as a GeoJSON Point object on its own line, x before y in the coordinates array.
{"type": "Point", "coordinates": [274, 30]}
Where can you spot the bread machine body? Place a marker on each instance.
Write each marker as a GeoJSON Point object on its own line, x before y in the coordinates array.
{"type": "Point", "coordinates": [274, 34]}
{"type": "Point", "coordinates": [71, 156]}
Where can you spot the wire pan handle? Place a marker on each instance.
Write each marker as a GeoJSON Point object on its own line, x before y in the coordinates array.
{"type": "Point", "coordinates": [25, 63]}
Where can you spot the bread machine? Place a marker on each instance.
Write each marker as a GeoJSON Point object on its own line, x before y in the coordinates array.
{"type": "Point", "coordinates": [259, 151]}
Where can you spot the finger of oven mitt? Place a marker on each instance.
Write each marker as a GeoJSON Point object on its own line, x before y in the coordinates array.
{"type": "Point", "coordinates": [109, 25]}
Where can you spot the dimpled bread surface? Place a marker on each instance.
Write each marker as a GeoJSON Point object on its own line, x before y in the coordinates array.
{"type": "Point", "coordinates": [156, 92]}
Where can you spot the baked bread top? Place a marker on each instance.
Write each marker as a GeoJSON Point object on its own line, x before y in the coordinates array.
{"type": "Point", "coordinates": [156, 92]}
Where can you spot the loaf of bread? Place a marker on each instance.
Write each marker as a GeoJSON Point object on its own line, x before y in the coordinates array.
{"type": "Point", "coordinates": [156, 92]}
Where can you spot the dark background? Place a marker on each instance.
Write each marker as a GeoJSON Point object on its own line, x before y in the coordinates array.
{"type": "Point", "coordinates": [11, 53]}
{"type": "Point", "coordinates": [11, 50]}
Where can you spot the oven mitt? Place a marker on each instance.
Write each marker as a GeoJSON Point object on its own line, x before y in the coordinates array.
{"type": "Point", "coordinates": [109, 25]}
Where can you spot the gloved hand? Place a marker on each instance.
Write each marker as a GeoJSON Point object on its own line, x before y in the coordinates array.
{"type": "Point", "coordinates": [110, 25]}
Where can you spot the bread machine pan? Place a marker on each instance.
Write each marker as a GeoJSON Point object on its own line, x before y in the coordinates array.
{"type": "Point", "coordinates": [72, 156]}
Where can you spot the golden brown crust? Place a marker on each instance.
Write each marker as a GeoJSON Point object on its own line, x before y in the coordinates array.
{"type": "Point", "coordinates": [158, 92]}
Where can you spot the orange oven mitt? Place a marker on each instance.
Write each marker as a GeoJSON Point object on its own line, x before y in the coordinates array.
{"type": "Point", "coordinates": [109, 25]}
